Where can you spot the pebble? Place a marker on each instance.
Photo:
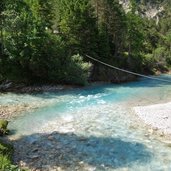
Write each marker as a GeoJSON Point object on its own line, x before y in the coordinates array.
{"type": "Point", "coordinates": [168, 143]}
{"type": "Point", "coordinates": [82, 139]}
{"type": "Point", "coordinates": [22, 164]}
{"type": "Point", "coordinates": [34, 157]}
{"type": "Point", "coordinates": [151, 131]}
{"type": "Point", "coordinates": [51, 138]}
{"type": "Point", "coordinates": [59, 169]}
{"type": "Point", "coordinates": [35, 150]}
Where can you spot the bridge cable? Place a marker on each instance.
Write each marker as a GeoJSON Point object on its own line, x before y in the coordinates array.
{"type": "Point", "coordinates": [126, 71]}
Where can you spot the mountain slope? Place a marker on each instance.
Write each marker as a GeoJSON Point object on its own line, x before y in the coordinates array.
{"type": "Point", "coordinates": [152, 9]}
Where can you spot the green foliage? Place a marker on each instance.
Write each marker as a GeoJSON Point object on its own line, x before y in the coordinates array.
{"type": "Point", "coordinates": [135, 35]}
{"type": "Point", "coordinates": [77, 23]}
{"type": "Point", "coordinates": [134, 39]}
{"type": "Point", "coordinates": [6, 152]}
{"type": "Point", "coordinates": [78, 70]}
{"type": "Point", "coordinates": [111, 28]}
{"type": "Point", "coordinates": [39, 39]}
{"type": "Point", "coordinates": [5, 155]}
{"type": "Point", "coordinates": [148, 63]}
{"type": "Point", "coordinates": [33, 52]}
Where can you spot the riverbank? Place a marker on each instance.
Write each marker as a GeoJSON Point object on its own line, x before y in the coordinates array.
{"type": "Point", "coordinates": [112, 77]}
{"type": "Point", "coordinates": [12, 110]}
{"type": "Point", "coordinates": [157, 116]}
{"type": "Point", "coordinates": [9, 86]}
{"type": "Point", "coordinates": [17, 106]}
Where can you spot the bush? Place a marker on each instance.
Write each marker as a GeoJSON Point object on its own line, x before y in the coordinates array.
{"type": "Point", "coordinates": [78, 71]}
{"type": "Point", "coordinates": [5, 155]}
{"type": "Point", "coordinates": [148, 63]}
{"type": "Point", "coordinates": [6, 152]}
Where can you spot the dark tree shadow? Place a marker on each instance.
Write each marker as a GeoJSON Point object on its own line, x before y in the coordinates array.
{"type": "Point", "coordinates": [71, 152]}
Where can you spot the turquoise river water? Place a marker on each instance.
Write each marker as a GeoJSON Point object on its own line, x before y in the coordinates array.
{"type": "Point", "coordinates": [98, 125]}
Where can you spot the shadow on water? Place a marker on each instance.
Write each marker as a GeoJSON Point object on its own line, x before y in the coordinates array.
{"type": "Point", "coordinates": [70, 151]}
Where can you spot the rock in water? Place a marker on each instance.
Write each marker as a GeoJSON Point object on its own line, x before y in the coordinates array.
{"type": "Point", "coordinates": [3, 127]}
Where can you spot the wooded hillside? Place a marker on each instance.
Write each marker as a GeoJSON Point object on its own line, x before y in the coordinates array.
{"type": "Point", "coordinates": [46, 41]}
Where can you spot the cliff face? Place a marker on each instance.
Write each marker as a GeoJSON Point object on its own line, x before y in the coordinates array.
{"type": "Point", "coordinates": [147, 8]}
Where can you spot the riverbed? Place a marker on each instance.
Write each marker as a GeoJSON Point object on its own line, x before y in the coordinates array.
{"type": "Point", "coordinates": [92, 128]}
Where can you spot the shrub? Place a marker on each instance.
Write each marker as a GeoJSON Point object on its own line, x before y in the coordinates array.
{"type": "Point", "coordinates": [78, 71]}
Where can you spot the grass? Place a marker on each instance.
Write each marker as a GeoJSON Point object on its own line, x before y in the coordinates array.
{"type": "Point", "coordinates": [6, 152]}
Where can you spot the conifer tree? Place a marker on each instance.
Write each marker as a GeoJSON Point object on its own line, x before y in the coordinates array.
{"type": "Point", "coordinates": [77, 23]}
{"type": "Point", "coordinates": [112, 25]}
{"type": "Point", "coordinates": [134, 37]}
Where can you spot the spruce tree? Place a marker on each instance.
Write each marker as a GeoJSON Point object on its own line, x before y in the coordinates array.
{"type": "Point", "coordinates": [77, 23]}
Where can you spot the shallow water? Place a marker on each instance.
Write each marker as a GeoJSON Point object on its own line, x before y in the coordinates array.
{"type": "Point", "coordinates": [102, 115]}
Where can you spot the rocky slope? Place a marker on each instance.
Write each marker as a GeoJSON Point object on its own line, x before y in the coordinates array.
{"type": "Point", "coordinates": [147, 8]}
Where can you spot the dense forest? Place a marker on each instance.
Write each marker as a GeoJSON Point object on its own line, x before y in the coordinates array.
{"type": "Point", "coordinates": [47, 41]}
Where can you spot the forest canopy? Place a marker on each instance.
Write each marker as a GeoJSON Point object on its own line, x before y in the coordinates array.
{"type": "Point", "coordinates": [46, 41]}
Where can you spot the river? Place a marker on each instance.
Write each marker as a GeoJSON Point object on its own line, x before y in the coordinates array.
{"type": "Point", "coordinates": [91, 128]}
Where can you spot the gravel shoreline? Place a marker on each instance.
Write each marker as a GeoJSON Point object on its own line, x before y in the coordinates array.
{"type": "Point", "coordinates": [157, 116]}
{"type": "Point", "coordinates": [9, 111]}
{"type": "Point", "coordinates": [33, 89]}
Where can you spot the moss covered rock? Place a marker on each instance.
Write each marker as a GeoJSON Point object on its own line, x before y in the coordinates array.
{"type": "Point", "coordinates": [3, 127]}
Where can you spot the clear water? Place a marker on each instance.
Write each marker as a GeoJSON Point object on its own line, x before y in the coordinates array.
{"type": "Point", "coordinates": [101, 114]}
